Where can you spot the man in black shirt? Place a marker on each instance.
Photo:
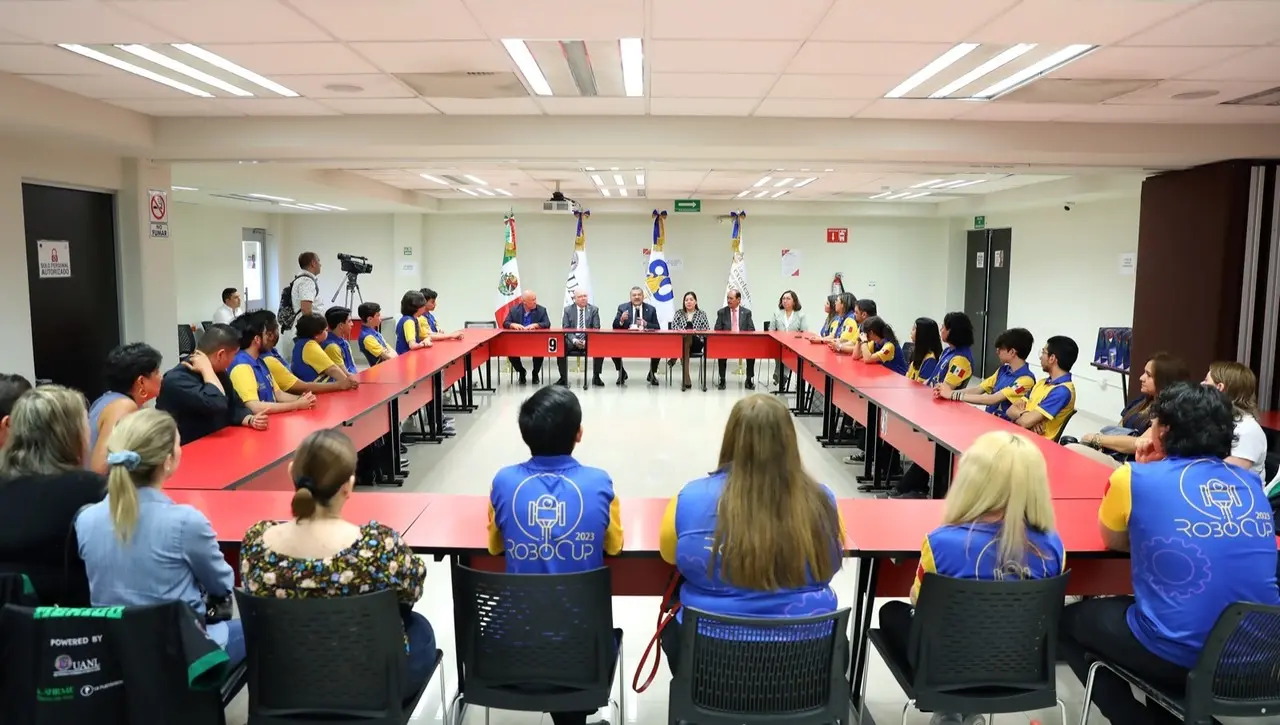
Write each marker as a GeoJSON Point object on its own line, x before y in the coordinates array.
{"type": "Point", "coordinates": [197, 392]}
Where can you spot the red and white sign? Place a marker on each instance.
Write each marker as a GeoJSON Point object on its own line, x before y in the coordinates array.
{"type": "Point", "coordinates": [837, 235]}
{"type": "Point", "coordinates": [158, 212]}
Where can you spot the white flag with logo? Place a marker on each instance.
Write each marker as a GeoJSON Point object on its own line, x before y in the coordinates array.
{"type": "Point", "coordinates": [579, 272]}
{"type": "Point", "coordinates": [658, 290]}
{"type": "Point", "coordinates": [738, 266]}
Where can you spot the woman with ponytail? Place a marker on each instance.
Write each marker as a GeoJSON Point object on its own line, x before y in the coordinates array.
{"type": "Point", "coordinates": [141, 548]}
{"type": "Point", "coordinates": [320, 554]}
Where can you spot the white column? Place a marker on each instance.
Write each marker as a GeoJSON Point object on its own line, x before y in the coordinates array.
{"type": "Point", "coordinates": [148, 273]}
{"type": "Point", "coordinates": [16, 354]}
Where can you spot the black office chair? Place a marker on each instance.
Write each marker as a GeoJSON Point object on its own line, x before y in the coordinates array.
{"type": "Point", "coordinates": [1065, 423]}
{"type": "Point", "coordinates": [328, 659]}
{"type": "Point", "coordinates": [186, 339]}
{"type": "Point", "coordinates": [735, 670]}
{"type": "Point", "coordinates": [206, 324]}
{"type": "Point", "coordinates": [17, 589]}
{"type": "Point", "coordinates": [537, 642]}
{"type": "Point", "coordinates": [980, 646]}
{"type": "Point", "coordinates": [1234, 677]}
{"type": "Point", "coordinates": [702, 369]}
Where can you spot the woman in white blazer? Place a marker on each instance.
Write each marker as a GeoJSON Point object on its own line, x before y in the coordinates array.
{"type": "Point", "coordinates": [788, 318]}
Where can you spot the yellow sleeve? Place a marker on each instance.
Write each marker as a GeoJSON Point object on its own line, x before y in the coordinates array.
{"type": "Point", "coordinates": [371, 346]}
{"type": "Point", "coordinates": [495, 535]}
{"type": "Point", "coordinates": [927, 566]}
{"type": "Point", "coordinates": [613, 534]}
{"type": "Point", "coordinates": [1117, 502]}
{"type": "Point", "coordinates": [885, 354]}
{"type": "Point", "coordinates": [281, 376]}
{"type": "Point", "coordinates": [667, 537]}
{"type": "Point", "coordinates": [1020, 388]}
{"type": "Point", "coordinates": [410, 331]}
{"type": "Point", "coordinates": [335, 354]}
{"type": "Point", "coordinates": [989, 385]}
{"type": "Point", "coordinates": [958, 371]}
{"type": "Point", "coordinates": [314, 358]}
{"type": "Point", "coordinates": [245, 383]}
{"type": "Point", "coordinates": [849, 330]}
{"type": "Point", "coordinates": [424, 328]}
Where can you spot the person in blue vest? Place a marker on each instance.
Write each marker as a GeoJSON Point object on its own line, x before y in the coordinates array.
{"type": "Point", "coordinates": [429, 328]}
{"type": "Point", "coordinates": [882, 346]}
{"type": "Point", "coordinates": [335, 344]}
{"type": "Point", "coordinates": [371, 342]}
{"type": "Point", "coordinates": [279, 367]}
{"type": "Point", "coordinates": [1051, 402]}
{"type": "Point", "coordinates": [1201, 537]}
{"type": "Point", "coordinates": [926, 347]}
{"type": "Point", "coordinates": [551, 514]}
{"type": "Point", "coordinates": [1012, 381]}
{"type": "Point", "coordinates": [408, 330]}
{"type": "Point", "coordinates": [132, 376]}
{"type": "Point", "coordinates": [310, 362]}
{"type": "Point", "coordinates": [251, 377]}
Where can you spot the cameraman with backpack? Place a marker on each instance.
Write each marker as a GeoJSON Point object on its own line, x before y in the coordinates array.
{"type": "Point", "coordinates": [302, 295]}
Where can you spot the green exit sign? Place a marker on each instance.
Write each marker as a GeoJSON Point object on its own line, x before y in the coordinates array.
{"type": "Point", "coordinates": [979, 222]}
{"type": "Point", "coordinates": [693, 205]}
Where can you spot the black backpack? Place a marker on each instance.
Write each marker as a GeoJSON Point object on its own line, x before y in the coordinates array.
{"type": "Point", "coordinates": [287, 314]}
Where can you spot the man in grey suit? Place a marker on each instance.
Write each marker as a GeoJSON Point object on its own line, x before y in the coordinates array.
{"type": "Point", "coordinates": [735, 318]}
{"type": "Point", "coordinates": [580, 315]}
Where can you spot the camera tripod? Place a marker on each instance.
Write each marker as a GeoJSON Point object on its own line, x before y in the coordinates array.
{"type": "Point", "coordinates": [352, 288]}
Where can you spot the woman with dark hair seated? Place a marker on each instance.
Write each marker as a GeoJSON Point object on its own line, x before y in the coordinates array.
{"type": "Point", "coordinates": [1201, 538]}
{"type": "Point", "coordinates": [1114, 445]}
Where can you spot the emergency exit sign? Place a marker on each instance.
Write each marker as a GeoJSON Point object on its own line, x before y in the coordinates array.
{"type": "Point", "coordinates": [693, 205]}
{"type": "Point", "coordinates": [837, 235]}
{"type": "Point", "coordinates": [979, 222]}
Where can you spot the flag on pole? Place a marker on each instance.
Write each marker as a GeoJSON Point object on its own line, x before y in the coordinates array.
{"type": "Point", "coordinates": [657, 277]}
{"type": "Point", "coordinates": [738, 267]}
{"type": "Point", "coordinates": [509, 276]}
{"type": "Point", "coordinates": [579, 272]}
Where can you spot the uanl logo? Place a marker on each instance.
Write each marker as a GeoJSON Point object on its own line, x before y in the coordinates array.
{"type": "Point", "coordinates": [65, 666]}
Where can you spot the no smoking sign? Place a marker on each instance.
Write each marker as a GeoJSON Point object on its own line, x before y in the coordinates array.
{"type": "Point", "coordinates": [158, 211]}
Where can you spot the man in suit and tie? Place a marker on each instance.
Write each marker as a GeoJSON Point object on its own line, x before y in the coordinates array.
{"type": "Point", "coordinates": [580, 315]}
{"type": "Point", "coordinates": [735, 318]}
{"type": "Point", "coordinates": [528, 315]}
{"type": "Point", "coordinates": [636, 315]}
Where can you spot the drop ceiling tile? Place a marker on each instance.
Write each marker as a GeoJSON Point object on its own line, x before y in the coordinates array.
{"type": "Point", "coordinates": [734, 20]}
{"type": "Point", "coordinates": [795, 85]}
{"type": "Point", "coordinates": [436, 57]}
{"type": "Point", "coordinates": [276, 106]}
{"type": "Point", "coordinates": [1227, 22]}
{"type": "Point", "coordinates": [919, 21]}
{"type": "Point", "coordinates": [1233, 114]}
{"type": "Point", "coordinates": [910, 108]}
{"type": "Point", "coordinates": [1064, 22]}
{"type": "Point", "coordinates": [1260, 64]}
{"type": "Point", "coordinates": [560, 19]}
{"type": "Point", "coordinates": [294, 58]}
{"type": "Point", "coordinates": [375, 85]}
{"type": "Point", "coordinates": [7, 37]}
{"type": "Point", "coordinates": [46, 60]}
{"type": "Point", "coordinates": [117, 85]}
{"type": "Point", "coordinates": [709, 85]}
{"type": "Point", "coordinates": [719, 56]}
{"type": "Point", "coordinates": [416, 20]}
{"type": "Point", "coordinates": [225, 21]}
{"type": "Point", "coordinates": [1010, 111]}
{"type": "Point", "coordinates": [1115, 113]}
{"type": "Point", "coordinates": [900, 59]}
{"type": "Point", "coordinates": [1162, 93]}
{"type": "Point", "coordinates": [702, 106]}
{"type": "Point", "coordinates": [580, 106]}
{"type": "Point", "coordinates": [77, 21]}
{"type": "Point", "coordinates": [1154, 63]}
{"type": "Point", "coordinates": [194, 108]}
{"type": "Point", "coordinates": [486, 106]}
{"type": "Point", "coordinates": [379, 106]}
{"type": "Point", "coordinates": [809, 108]}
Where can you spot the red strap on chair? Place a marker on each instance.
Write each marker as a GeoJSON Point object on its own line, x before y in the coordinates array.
{"type": "Point", "coordinates": [666, 613]}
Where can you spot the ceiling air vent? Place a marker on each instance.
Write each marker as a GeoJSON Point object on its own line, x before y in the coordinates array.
{"type": "Point", "coordinates": [465, 84]}
{"type": "Point", "coordinates": [1269, 97]}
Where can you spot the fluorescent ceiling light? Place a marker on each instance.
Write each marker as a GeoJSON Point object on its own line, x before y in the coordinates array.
{"type": "Point", "coordinates": [917, 195]}
{"type": "Point", "coordinates": [777, 194]}
{"type": "Point", "coordinates": [926, 184]}
{"type": "Point", "coordinates": [486, 192]}
{"type": "Point", "coordinates": [882, 195]}
{"type": "Point", "coordinates": [762, 193]}
{"type": "Point", "coordinates": [429, 177]}
{"type": "Point", "coordinates": [467, 191]}
{"type": "Point", "coordinates": [604, 191]}
{"type": "Point", "coordinates": [297, 206]}
{"type": "Point", "coordinates": [591, 168]}
{"type": "Point", "coordinates": [970, 182]}
{"type": "Point", "coordinates": [216, 60]}
{"type": "Point", "coordinates": [329, 207]}
{"type": "Point", "coordinates": [899, 195]}
{"type": "Point", "coordinates": [622, 192]}
{"type": "Point", "coordinates": [309, 207]}
{"type": "Point", "coordinates": [804, 182]}
{"type": "Point", "coordinates": [762, 182]}
{"type": "Point", "coordinates": [475, 180]}
{"type": "Point", "coordinates": [146, 53]}
{"type": "Point", "coordinates": [184, 188]}
{"type": "Point", "coordinates": [1044, 65]}
{"type": "Point", "coordinates": [784, 182]}
{"type": "Point", "coordinates": [929, 71]}
{"type": "Point", "coordinates": [131, 68]}
{"type": "Point", "coordinates": [519, 52]}
{"type": "Point", "coordinates": [504, 192]}
{"type": "Point", "coordinates": [632, 66]}
{"type": "Point", "coordinates": [999, 60]}
{"type": "Point", "coordinates": [617, 179]}
{"type": "Point", "coordinates": [268, 196]}
{"type": "Point", "coordinates": [742, 194]}
{"type": "Point", "coordinates": [950, 184]}
{"type": "Point", "coordinates": [639, 179]}
{"type": "Point", "coordinates": [598, 181]}
{"type": "Point", "coordinates": [613, 168]}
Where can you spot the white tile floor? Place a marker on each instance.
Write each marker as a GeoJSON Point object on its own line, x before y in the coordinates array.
{"type": "Point", "coordinates": [676, 437]}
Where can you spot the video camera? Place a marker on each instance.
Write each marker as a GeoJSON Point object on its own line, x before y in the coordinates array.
{"type": "Point", "coordinates": [351, 264]}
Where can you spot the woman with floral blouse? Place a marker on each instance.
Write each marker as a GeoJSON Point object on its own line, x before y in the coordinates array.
{"type": "Point", "coordinates": [690, 317]}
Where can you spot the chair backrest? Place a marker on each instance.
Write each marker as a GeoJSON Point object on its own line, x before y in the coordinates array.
{"type": "Point", "coordinates": [186, 339]}
{"type": "Point", "coordinates": [765, 668]}
{"type": "Point", "coordinates": [1065, 423]}
{"type": "Point", "coordinates": [206, 324]}
{"type": "Point", "coordinates": [766, 326]}
{"type": "Point", "coordinates": [535, 630]}
{"type": "Point", "coordinates": [1236, 673]}
{"type": "Point", "coordinates": [908, 348]}
{"type": "Point", "coordinates": [968, 634]}
{"type": "Point", "coordinates": [17, 589]}
{"type": "Point", "coordinates": [335, 656]}
{"type": "Point", "coordinates": [480, 324]}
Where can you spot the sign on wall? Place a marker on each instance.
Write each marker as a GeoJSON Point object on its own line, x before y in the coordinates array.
{"type": "Point", "coordinates": [690, 205]}
{"type": "Point", "coordinates": [837, 235]}
{"type": "Point", "coordinates": [158, 212]}
{"type": "Point", "coordinates": [54, 258]}
{"type": "Point", "coordinates": [980, 222]}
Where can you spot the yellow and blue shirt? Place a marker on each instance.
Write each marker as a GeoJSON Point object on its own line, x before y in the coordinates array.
{"type": "Point", "coordinates": [972, 551]}
{"type": "Point", "coordinates": [252, 379]}
{"type": "Point", "coordinates": [925, 371]}
{"type": "Point", "coordinates": [280, 374]}
{"type": "Point", "coordinates": [407, 333]}
{"type": "Point", "coordinates": [827, 324]}
{"type": "Point", "coordinates": [553, 515]}
{"type": "Point", "coordinates": [339, 351]}
{"type": "Point", "coordinates": [889, 355]}
{"type": "Point", "coordinates": [1055, 399]}
{"type": "Point", "coordinates": [954, 368]}
{"type": "Point", "coordinates": [310, 362]}
{"type": "Point", "coordinates": [1201, 537]}
{"type": "Point", "coordinates": [372, 344]}
{"type": "Point", "coordinates": [1010, 383]}
{"type": "Point", "coordinates": [848, 329]}
{"type": "Point", "coordinates": [688, 530]}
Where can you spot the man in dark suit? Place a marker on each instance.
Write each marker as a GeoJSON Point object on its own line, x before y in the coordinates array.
{"type": "Point", "coordinates": [636, 315]}
{"type": "Point", "coordinates": [735, 318]}
{"type": "Point", "coordinates": [528, 315]}
{"type": "Point", "coordinates": [580, 315]}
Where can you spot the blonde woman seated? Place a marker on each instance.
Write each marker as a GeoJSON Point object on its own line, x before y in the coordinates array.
{"type": "Point", "coordinates": [1237, 381]}
{"type": "Point", "coordinates": [320, 554]}
{"type": "Point", "coordinates": [778, 530]}
{"type": "Point", "coordinates": [997, 524]}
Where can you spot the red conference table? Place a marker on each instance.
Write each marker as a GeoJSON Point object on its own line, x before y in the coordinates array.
{"type": "Point", "coordinates": [1269, 419]}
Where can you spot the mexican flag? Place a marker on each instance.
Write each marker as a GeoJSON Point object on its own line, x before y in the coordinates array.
{"type": "Point", "coordinates": [509, 276]}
